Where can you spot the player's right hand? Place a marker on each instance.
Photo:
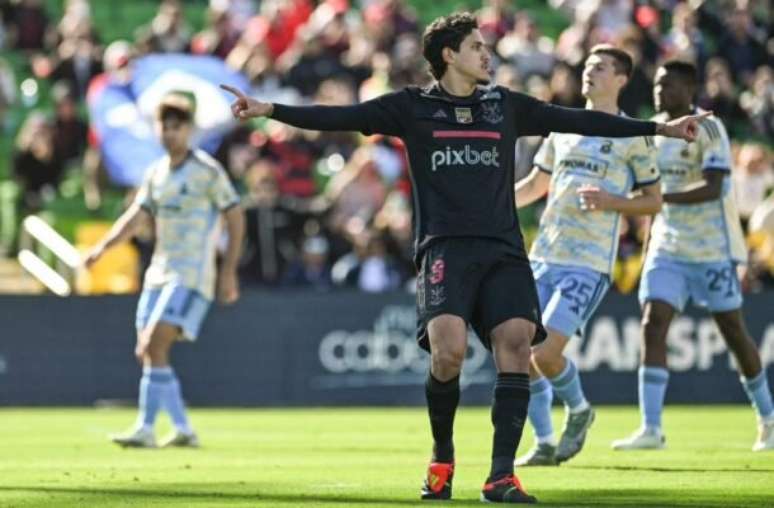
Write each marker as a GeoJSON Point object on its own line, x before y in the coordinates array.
{"type": "Point", "coordinates": [245, 107]}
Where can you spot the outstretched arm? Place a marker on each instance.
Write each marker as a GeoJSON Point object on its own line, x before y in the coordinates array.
{"type": "Point", "coordinates": [378, 116]}
{"type": "Point", "coordinates": [596, 123]}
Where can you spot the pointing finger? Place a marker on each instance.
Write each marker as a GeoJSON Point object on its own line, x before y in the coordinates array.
{"type": "Point", "coordinates": [235, 91]}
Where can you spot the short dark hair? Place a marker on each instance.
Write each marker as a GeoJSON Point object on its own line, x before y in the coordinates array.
{"type": "Point", "coordinates": [686, 71]}
{"type": "Point", "coordinates": [171, 113]}
{"type": "Point", "coordinates": [445, 32]}
{"type": "Point", "coordinates": [622, 61]}
{"type": "Point", "coordinates": [177, 105]}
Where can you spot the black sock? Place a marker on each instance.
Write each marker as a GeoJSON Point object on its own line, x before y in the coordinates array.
{"type": "Point", "coordinates": [442, 401]}
{"type": "Point", "coordinates": [509, 412]}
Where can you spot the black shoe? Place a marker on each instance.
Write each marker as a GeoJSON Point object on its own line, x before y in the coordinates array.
{"type": "Point", "coordinates": [438, 484]}
{"type": "Point", "coordinates": [506, 490]}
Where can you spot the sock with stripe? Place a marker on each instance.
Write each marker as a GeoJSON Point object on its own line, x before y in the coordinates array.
{"type": "Point", "coordinates": [567, 387]}
{"type": "Point", "coordinates": [153, 383]}
{"type": "Point", "coordinates": [442, 401]}
{"type": "Point", "coordinates": [509, 413]}
{"type": "Point", "coordinates": [173, 402]}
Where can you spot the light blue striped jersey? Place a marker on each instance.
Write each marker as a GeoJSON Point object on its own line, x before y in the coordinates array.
{"type": "Point", "coordinates": [186, 203]}
{"type": "Point", "coordinates": [569, 235]}
{"type": "Point", "coordinates": [701, 232]}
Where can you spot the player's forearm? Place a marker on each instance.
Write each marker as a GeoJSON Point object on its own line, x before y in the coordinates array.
{"type": "Point", "coordinates": [703, 191]}
{"type": "Point", "coordinates": [323, 118]}
{"type": "Point", "coordinates": [532, 188]}
{"type": "Point", "coordinates": [123, 228]}
{"type": "Point", "coordinates": [235, 227]}
{"type": "Point", "coordinates": [638, 205]}
{"type": "Point", "coordinates": [526, 193]}
{"type": "Point", "coordinates": [594, 123]}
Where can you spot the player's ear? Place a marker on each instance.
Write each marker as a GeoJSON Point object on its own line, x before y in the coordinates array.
{"type": "Point", "coordinates": [448, 55]}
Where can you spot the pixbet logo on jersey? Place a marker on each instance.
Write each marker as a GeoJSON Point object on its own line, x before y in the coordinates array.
{"type": "Point", "coordinates": [464, 157]}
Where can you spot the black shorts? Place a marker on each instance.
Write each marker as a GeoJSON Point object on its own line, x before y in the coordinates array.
{"type": "Point", "coordinates": [484, 281]}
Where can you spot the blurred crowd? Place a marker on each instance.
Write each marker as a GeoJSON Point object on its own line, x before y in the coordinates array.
{"type": "Point", "coordinates": [327, 210]}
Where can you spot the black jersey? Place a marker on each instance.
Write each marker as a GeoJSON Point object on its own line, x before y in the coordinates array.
{"type": "Point", "coordinates": [461, 150]}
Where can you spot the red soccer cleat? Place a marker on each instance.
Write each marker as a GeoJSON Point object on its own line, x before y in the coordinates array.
{"type": "Point", "coordinates": [506, 490]}
{"type": "Point", "coordinates": [438, 484]}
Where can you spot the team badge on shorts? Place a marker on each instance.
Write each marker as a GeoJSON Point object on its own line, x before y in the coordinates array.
{"type": "Point", "coordinates": [464, 115]}
{"type": "Point", "coordinates": [437, 291]}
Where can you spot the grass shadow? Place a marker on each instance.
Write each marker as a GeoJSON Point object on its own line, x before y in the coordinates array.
{"type": "Point", "coordinates": [238, 493]}
{"type": "Point", "coordinates": [673, 469]}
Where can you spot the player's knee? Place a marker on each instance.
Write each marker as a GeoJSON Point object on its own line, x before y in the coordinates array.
{"type": "Point", "coordinates": [515, 336]}
{"type": "Point", "coordinates": [448, 359]}
{"type": "Point", "coordinates": [160, 342]}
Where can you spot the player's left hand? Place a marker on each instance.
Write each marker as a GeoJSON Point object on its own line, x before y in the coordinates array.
{"type": "Point", "coordinates": [228, 287]}
{"type": "Point", "coordinates": [593, 198]}
{"type": "Point", "coordinates": [685, 127]}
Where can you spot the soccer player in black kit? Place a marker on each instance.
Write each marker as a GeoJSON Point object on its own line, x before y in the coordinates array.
{"type": "Point", "coordinates": [460, 135]}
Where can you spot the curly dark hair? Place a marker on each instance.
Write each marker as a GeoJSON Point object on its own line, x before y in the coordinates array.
{"type": "Point", "coordinates": [686, 71]}
{"type": "Point", "coordinates": [445, 32]}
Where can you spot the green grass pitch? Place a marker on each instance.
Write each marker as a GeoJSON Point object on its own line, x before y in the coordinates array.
{"type": "Point", "coordinates": [365, 457]}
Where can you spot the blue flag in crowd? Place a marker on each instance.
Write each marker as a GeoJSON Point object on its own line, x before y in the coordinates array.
{"type": "Point", "coordinates": [122, 113]}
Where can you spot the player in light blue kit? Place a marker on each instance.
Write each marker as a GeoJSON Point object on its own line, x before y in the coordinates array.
{"type": "Point", "coordinates": [590, 181]}
{"type": "Point", "coordinates": [185, 194]}
{"type": "Point", "coordinates": [695, 245]}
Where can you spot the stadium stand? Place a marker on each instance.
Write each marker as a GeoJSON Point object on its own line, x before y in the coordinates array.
{"type": "Point", "coordinates": [340, 199]}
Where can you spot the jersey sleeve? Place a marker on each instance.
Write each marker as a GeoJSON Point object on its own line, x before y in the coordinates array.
{"type": "Point", "coordinates": [545, 156]}
{"type": "Point", "coordinates": [386, 115]}
{"type": "Point", "coordinates": [643, 162]}
{"type": "Point", "coordinates": [222, 191]}
{"type": "Point", "coordinates": [714, 145]}
{"type": "Point", "coordinates": [538, 118]}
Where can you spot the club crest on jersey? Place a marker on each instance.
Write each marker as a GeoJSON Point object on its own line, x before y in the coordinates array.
{"type": "Point", "coordinates": [685, 153]}
{"type": "Point", "coordinates": [464, 115]}
{"type": "Point", "coordinates": [492, 112]}
{"type": "Point", "coordinates": [607, 146]}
